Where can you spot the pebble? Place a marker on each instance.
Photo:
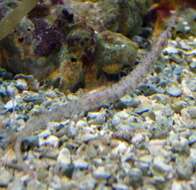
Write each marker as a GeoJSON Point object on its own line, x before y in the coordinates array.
{"type": "Point", "coordinates": [64, 162]}
{"type": "Point", "coordinates": [137, 139]}
{"type": "Point", "coordinates": [193, 66]}
{"type": "Point", "coordinates": [21, 84]}
{"type": "Point", "coordinates": [192, 112]}
{"type": "Point", "coordinates": [160, 165]}
{"type": "Point", "coordinates": [71, 130]}
{"type": "Point", "coordinates": [127, 101]}
{"type": "Point", "coordinates": [174, 91]}
{"type": "Point", "coordinates": [17, 184]}
{"type": "Point", "coordinates": [12, 105]}
{"type": "Point", "coordinates": [50, 141]}
{"type": "Point", "coordinates": [100, 173]}
{"type": "Point", "coordinates": [120, 187]}
{"type": "Point", "coordinates": [135, 177]}
{"type": "Point", "coordinates": [81, 164]}
{"type": "Point", "coordinates": [36, 185]}
{"type": "Point", "coordinates": [142, 110]}
{"type": "Point", "coordinates": [5, 177]}
{"type": "Point", "coordinates": [98, 117]}
{"type": "Point", "coordinates": [36, 99]}
{"type": "Point", "coordinates": [184, 169]}
{"type": "Point", "coordinates": [170, 50]}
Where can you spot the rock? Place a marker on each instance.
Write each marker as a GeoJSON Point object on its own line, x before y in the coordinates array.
{"type": "Point", "coordinates": [160, 165]}
{"type": "Point", "coordinates": [119, 186]}
{"type": "Point", "coordinates": [127, 101]}
{"type": "Point", "coordinates": [21, 84]}
{"type": "Point", "coordinates": [179, 105]}
{"type": "Point", "coordinates": [98, 117]}
{"type": "Point", "coordinates": [193, 66]}
{"type": "Point", "coordinates": [177, 186]}
{"type": "Point", "coordinates": [31, 141]}
{"type": "Point", "coordinates": [149, 89]}
{"type": "Point", "coordinates": [192, 112]}
{"type": "Point", "coordinates": [118, 117]}
{"type": "Point", "coordinates": [100, 173]}
{"type": "Point", "coordinates": [170, 50]}
{"type": "Point", "coordinates": [81, 164]}
{"type": "Point", "coordinates": [192, 139]}
{"type": "Point", "coordinates": [17, 184]}
{"type": "Point", "coordinates": [5, 177]}
{"type": "Point", "coordinates": [36, 185]}
{"type": "Point", "coordinates": [5, 74]}
{"type": "Point", "coordinates": [142, 110]}
{"type": "Point", "coordinates": [174, 91]}
{"type": "Point", "coordinates": [114, 52]}
{"type": "Point", "coordinates": [135, 177]}
{"type": "Point", "coordinates": [64, 162]}
{"type": "Point", "coordinates": [191, 84]}
{"type": "Point", "coordinates": [184, 168]}
{"type": "Point", "coordinates": [50, 141]}
{"type": "Point", "coordinates": [13, 105]}
{"type": "Point", "coordinates": [180, 145]}
{"type": "Point", "coordinates": [36, 99]}
{"type": "Point", "coordinates": [71, 130]}
{"type": "Point", "coordinates": [87, 183]}
{"type": "Point", "coordinates": [11, 91]}
{"type": "Point", "coordinates": [137, 139]}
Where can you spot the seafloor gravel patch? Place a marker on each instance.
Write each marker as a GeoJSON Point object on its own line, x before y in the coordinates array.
{"type": "Point", "coordinates": [146, 140]}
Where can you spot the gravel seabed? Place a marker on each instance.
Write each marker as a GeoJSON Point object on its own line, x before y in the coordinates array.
{"type": "Point", "coordinates": [145, 141]}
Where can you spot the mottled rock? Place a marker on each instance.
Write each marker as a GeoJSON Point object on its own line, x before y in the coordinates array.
{"type": "Point", "coordinates": [174, 91]}
{"type": "Point", "coordinates": [5, 177]}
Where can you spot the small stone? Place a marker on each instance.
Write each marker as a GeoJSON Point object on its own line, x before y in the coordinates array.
{"type": "Point", "coordinates": [181, 145]}
{"type": "Point", "coordinates": [81, 164]}
{"type": "Point", "coordinates": [192, 139]}
{"type": "Point", "coordinates": [5, 74]}
{"type": "Point", "coordinates": [100, 173]}
{"type": "Point", "coordinates": [142, 110]}
{"type": "Point", "coordinates": [98, 117]}
{"type": "Point", "coordinates": [184, 169]}
{"type": "Point", "coordinates": [177, 186]}
{"type": "Point", "coordinates": [71, 130]}
{"type": "Point", "coordinates": [11, 91]}
{"type": "Point", "coordinates": [192, 112]}
{"type": "Point", "coordinates": [64, 162]}
{"type": "Point", "coordinates": [17, 184]}
{"type": "Point", "coordinates": [21, 84]}
{"type": "Point", "coordinates": [119, 186]}
{"type": "Point", "coordinates": [5, 177]}
{"type": "Point", "coordinates": [81, 124]}
{"type": "Point", "coordinates": [174, 91]}
{"type": "Point", "coordinates": [135, 177]}
{"type": "Point", "coordinates": [193, 66]}
{"type": "Point", "coordinates": [50, 141]}
{"type": "Point", "coordinates": [161, 166]}
{"type": "Point", "coordinates": [31, 141]}
{"type": "Point", "coordinates": [149, 89]}
{"type": "Point", "coordinates": [179, 105]}
{"type": "Point", "coordinates": [191, 84]}
{"type": "Point", "coordinates": [12, 105]}
{"type": "Point", "coordinates": [127, 101]}
{"type": "Point", "coordinates": [36, 185]}
{"type": "Point", "coordinates": [170, 50]}
{"type": "Point", "coordinates": [137, 139]}
{"type": "Point", "coordinates": [36, 99]}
